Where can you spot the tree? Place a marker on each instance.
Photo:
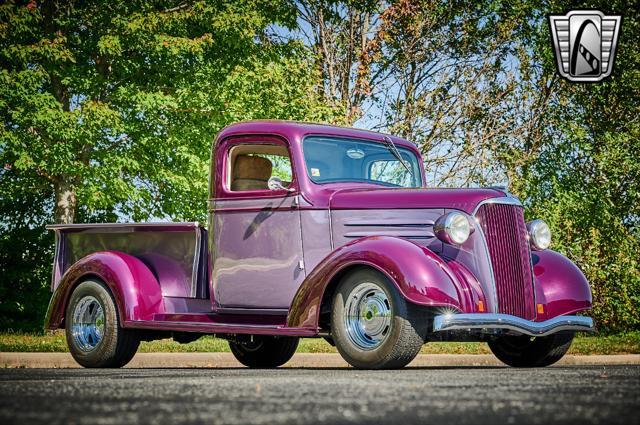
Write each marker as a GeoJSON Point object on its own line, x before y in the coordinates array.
{"type": "Point", "coordinates": [109, 109]}
{"type": "Point", "coordinates": [583, 173]}
{"type": "Point", "coordinates": [26, 251]}
{"type": "Point", "coordinates": [115, 104]}
{"type": "Point", "coordinates": [448, 78]}
{"type": "Point", "coordinates": [442, 74]}
{"type": "Point", "coordinates": [338, 33]}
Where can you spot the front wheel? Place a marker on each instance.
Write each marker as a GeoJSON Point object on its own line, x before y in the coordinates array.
{"type": "Point", "coordinates": [372, 325]}
{"type": "Point", "coordinates": [264, 351]}
{"type": "Point", "coordinates": [93, 331]}
{"type": "Point", "coordinates": [526, 351]}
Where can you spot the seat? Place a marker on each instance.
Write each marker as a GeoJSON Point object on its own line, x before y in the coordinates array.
{"type": "Point", "coordinates": [250, 173]}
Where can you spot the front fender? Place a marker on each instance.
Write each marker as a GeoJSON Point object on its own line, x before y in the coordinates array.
{"type": "Point", "coordinates": [135, 289]}
{"type": "Point", "coordinates": [560, 285]}
{"type": "Point", "coordinates": [420, 275]}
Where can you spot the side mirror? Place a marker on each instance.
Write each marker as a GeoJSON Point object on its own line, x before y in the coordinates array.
{"type": "Point", "coordinates": [275, 183]}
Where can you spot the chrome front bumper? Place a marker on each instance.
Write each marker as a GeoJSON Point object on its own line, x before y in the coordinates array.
{"type": "Point", "coordinates": [489, 321]}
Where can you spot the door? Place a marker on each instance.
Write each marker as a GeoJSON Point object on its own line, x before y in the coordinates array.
{"type": "Point", "coordinates": [257, 241]}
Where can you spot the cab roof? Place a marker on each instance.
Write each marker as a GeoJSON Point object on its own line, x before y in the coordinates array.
{"type": "Point", "coordinates": [295, 131]}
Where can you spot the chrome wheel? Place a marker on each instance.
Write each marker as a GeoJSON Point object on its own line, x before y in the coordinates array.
{"type": "Point", "coordinates": [87, 325]}
{"type": "Point", "coordinates": [367, 316]}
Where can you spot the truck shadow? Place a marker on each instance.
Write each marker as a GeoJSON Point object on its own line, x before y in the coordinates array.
{"type": "Point", "coordinates": [319, 368]}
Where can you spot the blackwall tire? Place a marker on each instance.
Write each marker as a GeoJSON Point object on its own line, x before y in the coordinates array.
{"type": "Point", "coordinates": [525, 351]}
{"type": "Point", "coordinates": [94, 335]}
{"type": "Point", "coordinates": [372, 325]}
{"type": "Point", "coordinates": [264, 352]}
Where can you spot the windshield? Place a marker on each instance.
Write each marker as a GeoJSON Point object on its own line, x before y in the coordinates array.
{"type": "Point", "coordinates": [333, 159]}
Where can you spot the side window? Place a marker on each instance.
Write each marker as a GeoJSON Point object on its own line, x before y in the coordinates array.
{"type": "Point", "coordinates": [251, 166]}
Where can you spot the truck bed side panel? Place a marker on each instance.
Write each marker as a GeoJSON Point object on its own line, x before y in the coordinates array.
{"type": "Point", "coordinates": [174, 252]}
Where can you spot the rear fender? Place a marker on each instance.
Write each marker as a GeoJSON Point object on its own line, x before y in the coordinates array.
{"type": "Point", "coordinates": [420, 276]}
{"type": "Point", "coordinates": [135, 289]}
{"type": "Point", "coordinates": [561, 287]}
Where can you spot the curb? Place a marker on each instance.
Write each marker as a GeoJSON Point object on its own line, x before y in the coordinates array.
{"type": "Point", "coordinates": [300, 360]}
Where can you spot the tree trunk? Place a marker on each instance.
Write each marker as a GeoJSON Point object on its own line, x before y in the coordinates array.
{"type": "Point", "coordinates": [64, 186]}
{"type": "Point", "coordinates": [66, 201]}
{"type": "Point", "coordinates": [327, 56]}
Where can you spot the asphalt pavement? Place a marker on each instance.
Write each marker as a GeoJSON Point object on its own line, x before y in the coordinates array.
{"type": "Point", "coordinates": [417, 395]}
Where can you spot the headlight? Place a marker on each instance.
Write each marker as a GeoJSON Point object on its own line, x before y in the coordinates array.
{"type": "Point", "coordinates": [453, 227]}
{"type": "Point", "coordinates": [539, 234]}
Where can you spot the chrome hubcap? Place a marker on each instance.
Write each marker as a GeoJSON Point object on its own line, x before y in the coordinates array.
{"type": "Point", "coordinates": [87, 324]}
{"type": "Point", "coordinates": [367, 316]}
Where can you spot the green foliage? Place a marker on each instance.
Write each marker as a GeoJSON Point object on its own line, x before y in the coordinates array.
{"type": "Point", "coordinates": [120, 100]}
{"type": "Point", "coordinates": [584, 178]}
{"type": "Point", "coordinates": [26, 251]}
{"type": "Point", "coordinates": [281, 167]}
{"type": "Point", "coordinates": [109, 109]}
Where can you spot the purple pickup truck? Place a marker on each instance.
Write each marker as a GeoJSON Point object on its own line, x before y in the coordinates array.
{"type": "Point", "coordinates": [328, 232]}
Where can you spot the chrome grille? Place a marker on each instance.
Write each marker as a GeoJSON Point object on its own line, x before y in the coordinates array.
{"type": "Point", "coordinates": [506, 235]}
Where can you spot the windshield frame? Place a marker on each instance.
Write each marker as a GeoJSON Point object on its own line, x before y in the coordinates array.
{"type": "Point", "coordinates": [402, 148]}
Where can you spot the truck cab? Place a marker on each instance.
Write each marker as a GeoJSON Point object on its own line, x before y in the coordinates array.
{"type": "Point", "coordinates": [321, 231]}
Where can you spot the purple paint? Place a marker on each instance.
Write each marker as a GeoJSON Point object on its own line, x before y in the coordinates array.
{"type": "Point", "coordinates": [271, 256]}
{"type": "Point", "coordinates": [258, 250]}
{"type": "Point", "coordinates": [560, 286]}
{"type": "Point", "coordinates": [420, 275]}
{"type": "Point", "coordinates": [389, 198]}
{"type": "Point", "coordinates": [135, 289]}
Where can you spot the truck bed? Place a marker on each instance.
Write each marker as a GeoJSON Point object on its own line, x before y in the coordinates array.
{"type": "Point", "coordinates": [176, 253]}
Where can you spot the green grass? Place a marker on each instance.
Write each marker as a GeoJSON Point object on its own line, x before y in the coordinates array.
{"type": "Point", "coordinates": [627, 343]}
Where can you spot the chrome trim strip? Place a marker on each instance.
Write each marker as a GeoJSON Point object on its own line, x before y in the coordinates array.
{"type": "Point", "coordinates": [409, 234]}
{"type": "Point", "coordinates": [449, 322]}
{"type": "Point", "coordinates": [507, 200]}
{"type": "Point", "coordinates": [488, 257]}
{"type": "Point", "coordinates": [193, 224]}
{"type": "Point", "coordinates": [211, 252]}
{"type": "Point", "coordinates": [388, 223]}
{"type": "Point", "coordinates": [253, 311]}
{"type": "Point", "coordinates": [330, 216]}
{"type": "Point", "coordinates": [56, 261]}
{"type": "Point", "coordinates": [195, 267]}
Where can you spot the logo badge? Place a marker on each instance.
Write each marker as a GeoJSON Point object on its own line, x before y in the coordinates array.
{"type": "Point", "coordinates": [585, 44]}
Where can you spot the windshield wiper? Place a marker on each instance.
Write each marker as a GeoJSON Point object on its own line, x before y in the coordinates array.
{"type": "Point", "coordinates": [394, 150]}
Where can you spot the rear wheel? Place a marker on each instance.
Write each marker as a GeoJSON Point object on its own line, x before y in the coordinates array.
{"type": "Point", "coordinates": [372, 325]}
{"type": "Point", "coordinates": [526, 351]}
{"type": "Point", "coordinates": [93, 331]}
{"type": "Point", "coordinates": [264, 351]}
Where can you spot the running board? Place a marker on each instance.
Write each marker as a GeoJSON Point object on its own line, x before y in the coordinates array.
{"type": "Point", "coordinates": [220, 328]}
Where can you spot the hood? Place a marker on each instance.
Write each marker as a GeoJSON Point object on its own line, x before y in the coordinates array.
{"type": "Point", "coordinates": [461, 199]}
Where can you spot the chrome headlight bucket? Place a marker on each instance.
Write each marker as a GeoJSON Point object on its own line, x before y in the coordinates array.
{"type": "Point", "coordinates": [539, 234]}
{"type": "Point", "coordinates": [453, 228]}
